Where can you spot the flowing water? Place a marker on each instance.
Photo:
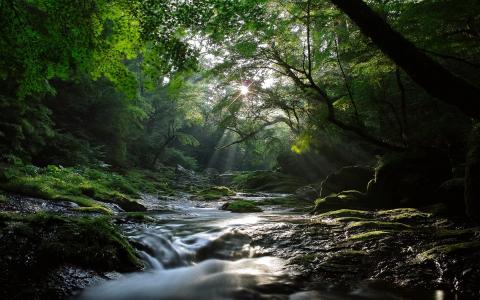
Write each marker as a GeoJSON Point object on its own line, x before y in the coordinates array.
{"type": "Point", "coordinates": [193, 250]}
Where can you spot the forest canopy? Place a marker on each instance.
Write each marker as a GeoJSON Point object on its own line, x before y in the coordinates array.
{"type": "Point", "coordinates": [142, 83]}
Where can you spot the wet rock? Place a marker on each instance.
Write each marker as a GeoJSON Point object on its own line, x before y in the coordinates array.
{"type": "Point", "coordinates": [344, 200]}
{"type": "Point", "coordinates": [374, 234]}
{"type": "Point", "coordinates": [371, 224]}
{"type": "Point", "coordinates": [126, 203]}
{"type": "Point", "coordinates": [406, 215]}
{"type": "Point", "coordinates": [346, 213]}
{"type": "Point", "coordinates": [347, 178]}
{"type": "Point", "coordinates": [35, 247]}
{"type": "Point", "coordinates": [449, 249]}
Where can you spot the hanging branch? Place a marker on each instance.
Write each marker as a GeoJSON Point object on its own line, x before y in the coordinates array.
{"type": "Point", "coordinates": [247, 136]}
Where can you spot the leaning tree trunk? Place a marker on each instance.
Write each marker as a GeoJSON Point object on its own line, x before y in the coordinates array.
{"type": "Point", "coordinates": [472, 176]}
{"type": "Point", "coordinates": [426, 72]}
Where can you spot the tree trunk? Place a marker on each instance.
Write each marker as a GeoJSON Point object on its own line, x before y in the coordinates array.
{"type": "Point", "coordinates": [426, 72]}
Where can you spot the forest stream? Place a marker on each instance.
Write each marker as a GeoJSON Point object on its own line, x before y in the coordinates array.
{"type": "Point", "coordinates": [193, 250]}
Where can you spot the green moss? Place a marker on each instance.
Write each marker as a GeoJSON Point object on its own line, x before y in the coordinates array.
{"type": "Point", "coordinates": [378, 225]}
{"type": "Point", "coordinates": [242, 206]}
{"type": "Point", "coordinates": [350, 219]}
{"type": "Point", "coordinates": [368, 235]}
{"type": "Point", "coordinates": [3, 198]}
{"type": "Point", "coordinates": [77, 185]}
{"type": "Point", "coordinates": [96, 209]}
{"type": "Point", "coordinates": [52, 240]}
{"type": "Point", "coordinates": [346, 213]}
{"type": "Point", "coordinates": [344, 200]}
{"type": "Point", "coordinates": [449, 249]}
{"type": "Point", "coordinates": [403, 215]}
{"type": "Point", "coordinates": [214, 193]}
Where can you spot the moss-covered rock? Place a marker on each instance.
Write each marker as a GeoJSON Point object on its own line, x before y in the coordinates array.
{"type": "Point", "coordinates": [380, 225]}
{"type": "Point", "coordinates": [341, 213]}
{"type": "Point", "coordinates": [35, 246]}
{"type": "Point", "coordinates": [407, 215]}
{"type": "Point", "coordinates": [214, 193]}
{"type": "Point", "coordinates": [347, 178]}
{"type": "Point", "coordinates": [90, 242]}
{"type": "Point", "coordinates": [241, 206]}
{"type": "Point", "coordinates": [344, 200]}
{"type": "Point", "coordinates": [139, 216]}
{"type": "Point", "coordinates": [449, 249]}
{"type": "Point", "coordinates": [374, 234]}
{"type": "Point", "coordinates": [80, 186]}
{"type": "Point", "coordinates": [125, 202]}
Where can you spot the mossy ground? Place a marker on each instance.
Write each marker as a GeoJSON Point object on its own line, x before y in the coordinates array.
{"type": "Point", "coordinates": [368, 235]}
{"type": "Point", "coordinates": [403, 215]}
{"type": "Point", "coordinates": [363, 225]}
{"type": "Point", "coordinates": [214, 193]}
{"type": "Point", "coordinates": [83, 185]}
{"type": "Point", "coordinates": [346, 213]}
{"type": "Point", "coordinates": [345, 200]}
{"type": "Point", "coordinates": [242, 206]}
{"type": "Point", "coordinates": [449, 249]}
{"type": "Point", "coordinates": [90, 242]}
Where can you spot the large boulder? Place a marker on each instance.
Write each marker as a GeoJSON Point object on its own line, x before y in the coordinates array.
{"type": "Point", "coordinates": [409, 179]}
{"type": "Point", "coordinates": [347, 178]}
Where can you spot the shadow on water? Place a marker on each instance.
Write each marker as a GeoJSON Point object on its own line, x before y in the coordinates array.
{"type": "Point", "coordinates": [195, 251]}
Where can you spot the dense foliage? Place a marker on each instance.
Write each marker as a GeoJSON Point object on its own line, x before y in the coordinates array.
{"type": "Point", "coordinates": [225, 84]}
